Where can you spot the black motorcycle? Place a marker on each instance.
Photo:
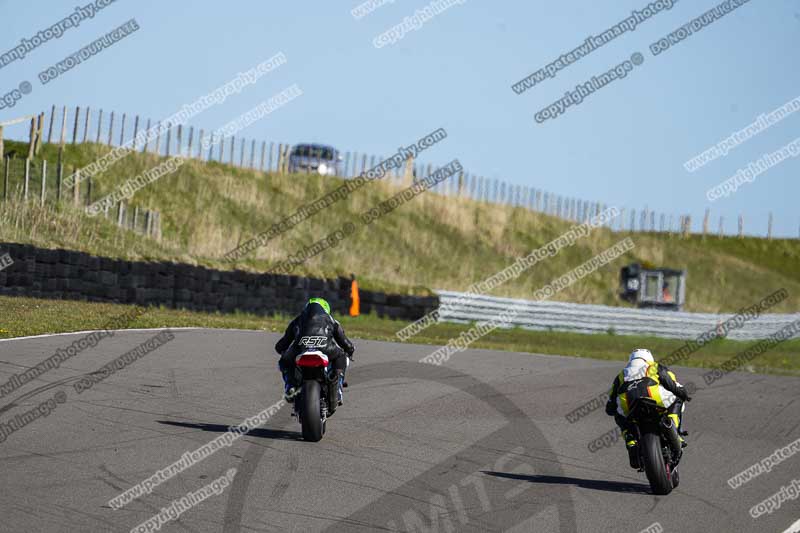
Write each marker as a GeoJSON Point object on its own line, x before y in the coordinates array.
{"type": "Point", "coordinates": [659, 446]}
{"type": "Point", "coordinates": [319, 393]}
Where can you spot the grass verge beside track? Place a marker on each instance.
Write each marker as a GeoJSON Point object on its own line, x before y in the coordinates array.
{"type": "Point", "coordinates": [21, 317]}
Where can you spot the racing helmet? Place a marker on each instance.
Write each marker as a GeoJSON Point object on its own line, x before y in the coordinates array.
{"type": "Point", "coordinates": [322, 303]}
{"type": "Point", "coordinates": [641, 353]}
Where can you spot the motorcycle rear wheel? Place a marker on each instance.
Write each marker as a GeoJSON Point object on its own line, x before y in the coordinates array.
{"type": "Point", "coordinates": [654, 464]}
{"type": "Point", "coordinates": [311, 415]}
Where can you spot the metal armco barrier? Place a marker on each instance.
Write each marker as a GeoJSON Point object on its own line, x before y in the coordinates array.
{"type": "Point", "coordinates": [583, 318]}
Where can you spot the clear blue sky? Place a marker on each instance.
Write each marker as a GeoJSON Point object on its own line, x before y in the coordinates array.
{"type": "Point", "coordinates": [624, 145]}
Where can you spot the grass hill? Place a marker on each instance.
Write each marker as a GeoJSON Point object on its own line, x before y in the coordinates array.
{"type": "Point", "coordinates": [433, 242]}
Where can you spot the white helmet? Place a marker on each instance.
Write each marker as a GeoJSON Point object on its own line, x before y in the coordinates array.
{"type": "Point", "coordinates": [641, 353]}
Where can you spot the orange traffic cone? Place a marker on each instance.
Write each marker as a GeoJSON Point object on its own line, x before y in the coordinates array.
{"type": "Point", "coordinates": [355, 303]}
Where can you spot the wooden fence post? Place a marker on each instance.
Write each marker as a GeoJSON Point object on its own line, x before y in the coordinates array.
{"type": "Point", "coordinates": [408, 172]}
{"type": "Point", "coordinates": [59, 176]}
{"type": "Point", "coordinates": [271, 150]}
{"type": "Point", "coordinates": [88, 191]}
{"type": "Point", "coordinates": [158, 138]}
{"type": "Point", "coordinates": [99, 126]}
{"type": "Point", "coordinates": [50, 129]}
{"type": "Point", "coordinates": [263, 153]}
{"type": "Point", "coordinates": [111, 129]}
{"type": "Point", "coordinates": [120, 212]}
{"type": "Point", "coordinates": [189, 145]}
{"type": "Point", "coordinates": [135, 132]}
{"type": "Point", "coordinates": [179, 138]}
{"type": "Point", "coordinates": [169, 137]}
{"type": "Point", "coordinates": [705, 222]}
{"type": "Point", "coordinates": [76, 188]}
{"type": "Point", "coordinates": [86, 125]}
{"type": "Point", "coordinates": [122, 130]}
{"type": "Point", "coordinates": [769, 227]}
{"type": "Point", "coordinates": [211, 148]}
{"type": "Point", "coordinates": [37, 147]}
{"type": "Point", "coordinates": [221, 148]}
{"type": "Point", "coordinates": [44, 181]}
{"type": "Point", "coordinates": [2, 155]}
{"type": "Point", "coordinates": [27, 178]}
{"type": "Point", "coordinates": [200, 145]}
{"type": "Point", "coordinates": [721, 220]}
{"type": "Point", "coordinates": [241, 154]}
{"type": "Point", "coordinates": [6, 170]}
{"type": "Point", "coordinates": [280, 159]}
{"type": "Point", "coordinates": [63, 128]}
{"type": "Point", "coordinates": [32, 138]}
{"type": "Point", "coordinates": [233, 149]}
{"type": "Point", "coordinates": [135, 218]}
{"type": "Point", "coordinates": [253, 154]}
{"type": "Point", "coordinates": [741, 226]}
{"type": "Point", "coordinates": [75, 124]}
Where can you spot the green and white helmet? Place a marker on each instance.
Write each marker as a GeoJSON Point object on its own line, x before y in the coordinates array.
{"type": "Point", "coordinates": [322, 303]}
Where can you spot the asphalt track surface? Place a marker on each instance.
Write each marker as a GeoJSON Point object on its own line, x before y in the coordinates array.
{"type": "Point", "coordinates": [479, 444]}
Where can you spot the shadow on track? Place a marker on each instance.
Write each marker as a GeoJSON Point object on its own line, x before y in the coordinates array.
{"type": "Point", "coordinates": [262, 433]}
{"type": "Point", "coordinates": [594, 484]}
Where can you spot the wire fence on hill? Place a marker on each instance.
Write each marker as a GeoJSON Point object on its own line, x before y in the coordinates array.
{"type": "Point", "coordinates": [29, 177]}
{"type": "Point", "coordinates": [85, 125]}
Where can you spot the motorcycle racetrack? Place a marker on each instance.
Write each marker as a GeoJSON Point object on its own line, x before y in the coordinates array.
{"type": "Point", "coordinates": [480, 443]}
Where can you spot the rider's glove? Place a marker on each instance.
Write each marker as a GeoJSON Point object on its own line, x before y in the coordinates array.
{"type": "Point", "coordinates": [683, 395]}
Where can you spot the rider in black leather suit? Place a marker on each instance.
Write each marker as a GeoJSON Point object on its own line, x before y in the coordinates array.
{"type": "Point", "coordinates": [313, 328]}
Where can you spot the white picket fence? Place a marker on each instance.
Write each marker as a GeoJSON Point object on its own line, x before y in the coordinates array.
{"type": "Point", "coordinates": [581, 318]}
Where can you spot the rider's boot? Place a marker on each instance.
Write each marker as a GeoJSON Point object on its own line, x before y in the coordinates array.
{"type": "Point", "coordinates": [289, 387]}
{"type": "Point", "coordinates": [340, 380]}
{"type": "Point", "coordinates": [633, 449]}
